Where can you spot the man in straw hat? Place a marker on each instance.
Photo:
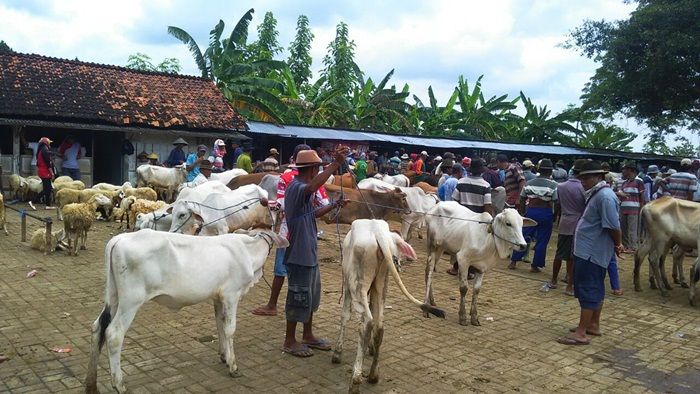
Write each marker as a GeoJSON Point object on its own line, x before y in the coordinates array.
{"type": "Point", "coordinates": [304, 286]}
{"type": "Point", "coordinates": [597, 240]}
{"type": "Point", "coordinates": [631, 192]}
{"type": "Point", "coordinates": [205, 168]}
{"type": "Point", "coordinates": [271, 163]}
{"type": "Point", "coordinates": [177, 155]}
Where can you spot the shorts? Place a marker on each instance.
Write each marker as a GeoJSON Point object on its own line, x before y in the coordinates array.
{"type": "Point", "coordinates": [589, 283]}
{"type": "Point", "coordinates": [303, 292]}
{"type": "Point", "coordinates": [280, 268]}
{"type": "Point", "coordinates": [565, 244]}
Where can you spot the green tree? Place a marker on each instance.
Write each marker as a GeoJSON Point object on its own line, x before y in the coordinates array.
{"type": "Point", "coordinates": [141, 61]}
{"type": "Point", "coordinates": [478, 117]}
{"type": "Point", "coordinates": [649, 64]}
{"type": "Point", "coordinates": [267, 45]}
{"type": "Point", "coordinates": [684, 148]}
{"type": "Point", "coordinates": [603, 136]}
{"type": "Point", "coordinates": [538, 126]}
{"type": "Point", "coordinates": [300, 60]}
{"type": "Point", "coordinates": [340, 70]}
{"type": "Point", "coordinates": [4, 47]}
{"type": "Point", "coordinates": [381, 108]}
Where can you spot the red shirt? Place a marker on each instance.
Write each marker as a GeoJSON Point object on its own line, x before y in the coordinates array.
{"type": "Point", "coordinates": [419, 166]}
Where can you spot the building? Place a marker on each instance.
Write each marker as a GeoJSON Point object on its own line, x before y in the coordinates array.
{"type": "Point", "coordinates": [103, 107]}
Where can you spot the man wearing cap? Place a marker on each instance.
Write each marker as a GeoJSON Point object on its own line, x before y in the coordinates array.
{"type": "Point", "coordinates": [631, 192]}
{"type": "Point", "coordinates": [681, 184]}
{"type": "Point", "coordinates": [270, 164]}
{"type": "Point", "coordinates": [44, 169]}
{"type": "Point", "coordinates": [152, 159]}
{"type": "Point", "coordinates": [177, 155]}
{"type": "Point", "coordinates": [597, 239]}
{"type": "Point", "coordinates": [205, 168]}
{"type": "Point", "coordinates": [539, 193]}
{"type": "Point", "coordinates": [300, 259]}
{"type": "Point", "coordinates": [491, 176]}
{"type": "Point", "coordinates": [560, 175]}
{"type": "Point", "coordinates": [513, 180]}
{"type": "Point", "coordinates": [70, 153]}
{"type": "Point", "coordinates": [447, 188]}
{"type": "Point", "coordinates": [649, 189]}
{"type": "Point", "coordinates": [419, 165]}
{"type": "Point", "coordinates": [193, 162]}
{"type": "Point", "coordinates": [466, 165]}
{"type": "Point", "coordinates": [527, 170]}
{"type": "Point", "coordinates": [245, 162]}
{"type": "Point", "coordinates": [567, 211]}
{"type": "Point", "coordinates": [405, 163]}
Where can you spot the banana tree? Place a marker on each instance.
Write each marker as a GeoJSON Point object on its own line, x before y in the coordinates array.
{"type": "Point", "coordinates": [539, 127]}
{"type": "Point", "coordinates": [478, 117]}
{"type": "Point", "coordinates": [378, 107]}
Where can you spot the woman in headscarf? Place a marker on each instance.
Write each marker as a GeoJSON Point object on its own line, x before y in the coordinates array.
{"type": "Point", "coordinates": [217, 158]}
{"type": "Point", "coordinates": [44, 169]}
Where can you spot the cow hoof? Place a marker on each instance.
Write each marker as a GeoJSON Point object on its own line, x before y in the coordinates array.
{"type": "Point", "coordinates": [372, 379]}
{"type": "Point", "coordinates": [676, 281]}
{"type": "Point", "coordinates": [235, 374]}
{"type": "Point", "coordinates": [336, 358]}
{"type": "Point", "coordinates": [222, 358]}
{"type": "Point", "coordinates": [652, 285]}
{"type": "Point", "coordinates": [685, 285]}
{"type": "Point", "coordinates": [354, 388]}
{"type": "Point", "coordinates": [463, 322]}
{"type": "Point", "coordinates": [83, 248]}
{"type": "Point", "coordinates": [637, 288]}
{"type": "Point", "coordinates": [475, 322]}
{"type": "Point", "coordinates": [426, 315]}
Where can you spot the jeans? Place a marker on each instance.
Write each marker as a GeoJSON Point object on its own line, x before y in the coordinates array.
{"type": "Point", "coordinates": [47, 191]}
{"type": "Point", "coordinates": [541, 233]}
{"type": "Point", "coordinates": [74, 173]}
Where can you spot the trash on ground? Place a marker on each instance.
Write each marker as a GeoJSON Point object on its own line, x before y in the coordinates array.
{"type": "Point", "coordinates": [32, 273]}
{"type": "Point", "coordinates": [61, 350]}
{"type": "Point", "coordinates": [680, 335]}
{"type": "Point", "coordinates": [65, 315]}
{"type": "Point", "coordinates": [388, 307]}
{"type": "Point", "coordinates": [3, 358]}
{"type": "Point", "coordinates": [489, 318]}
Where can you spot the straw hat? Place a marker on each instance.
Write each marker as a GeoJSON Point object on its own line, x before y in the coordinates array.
{"type": "Point", "coordinates": [273, 151]}
{"type": "Point", "coordinates": [307, 158]}
{"type": "Point", "coordinates": [180, 141]}
{"type": "Point", "coordinates": [528, 164]}
{"type": "Point", "coordinates": [205, 165]}
{"type": "Point", "coordinates": [152, 156]}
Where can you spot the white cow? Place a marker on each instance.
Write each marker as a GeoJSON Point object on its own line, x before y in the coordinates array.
{"type": "Point", "coordinates": [162, 178]}
{"type": "Point", "coordinates": [397, 180]}
{"type": "Point", "coordinates": [138, 273]}
{"type": "Point", "coordinates": [476, 240]}
{"type": "Point", "coordinates": [419, 202]}
{"type": "Point", "coordinates": [200, 192]}
{"type": "Point", "coordinates": [159, 220]}
{"type": "Point", "coordinates": [498, 199]}
{"type": "Point", "coordinates": [269, 184]}
{"type": "Point", "coordinates": [226, 176]}
{"type": "Point", "coordinates": [369, 248]}
{"type": "Point", "coordinates": [242, 208]}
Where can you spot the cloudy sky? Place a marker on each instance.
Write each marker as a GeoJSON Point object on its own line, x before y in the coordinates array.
{"type": "Point", "coordinates": [514, 44]}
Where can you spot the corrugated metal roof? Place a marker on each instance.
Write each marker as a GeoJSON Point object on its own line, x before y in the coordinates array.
{"type": "Point", "coordinates": [309, 132]}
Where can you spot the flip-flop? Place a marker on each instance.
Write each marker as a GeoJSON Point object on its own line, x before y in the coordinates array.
{"type": "Point", "coordinates": [511, 266]}
{"type": "Point", "coordinates": [263, 312]}
{"type": "Point", "coordinates": [320, 344]}
{"type": "Point", "coordinates": [569, 293]}
{"type": "Point", "coordinates": [571, 341]}
{"type": "Point", "coordinates": [591, 333]}
{"type": "Point", "coordinates": [301, 352]}
{"type": "Point", "coordinates": [551, 286]}
{"type": "Point", "coordinates": [451, 272]}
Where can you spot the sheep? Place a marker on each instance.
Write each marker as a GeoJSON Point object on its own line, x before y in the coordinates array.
{"type": "Point", "coordinates": [38, 240]}
{"type": "Point", "coordinates": [78, 218]}
{"type": "Point", "coordinates": [143, 193]}
{"type": "Point", "coordinates": [2, 215]}
{"type": "Point", "coordinates": [69, 196]}
{"type": "Point", "coordinates": [112, 188]}
{"type": "Point", "coordinates": [61, 179]}
{"type": "Point", "coordinates": [18, 186]}
{"type": "Point", "coordinates": [134, 206]}
{"type": "Point", "coordinates": [75, 185]}
{"type": "Point", "coordinates": [34, 188]}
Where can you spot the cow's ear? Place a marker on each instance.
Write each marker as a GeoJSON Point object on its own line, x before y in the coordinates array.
{"type": "Point", "coordinates": [169, 210]}
{"type": "Point", "coordinates": [396, 189]}
{"type": "Point", "coordinates": [404, 248]}
{"type": "Point", "coordinates": [197, 217]}
{"type": "Point", "coordinates": [527, 222]}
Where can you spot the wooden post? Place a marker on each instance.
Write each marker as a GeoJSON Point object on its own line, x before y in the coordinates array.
{"type": "Point", "coordinates": [23, 220]}
{"type": "Point", "coordinates": [48, 236]}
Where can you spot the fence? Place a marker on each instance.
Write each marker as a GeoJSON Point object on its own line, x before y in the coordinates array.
{"type": "Point", "coordinates": [23, 214]}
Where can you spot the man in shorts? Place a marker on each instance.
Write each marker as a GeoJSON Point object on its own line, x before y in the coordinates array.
{"type": "Point", "coordinates": [304, 280]}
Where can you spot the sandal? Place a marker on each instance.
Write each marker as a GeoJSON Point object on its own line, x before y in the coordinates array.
{"type": "Point", "coordinates": [588, 332]}
{"type": "Point", "coordinates": [302, 351]}
{"type": "Point", "coordinates": [568, 340]}
{"type": "Point", "coordinates": [511, 266]}
{"type": "Point", "coordinates": [320, 344]}
{"type": "Point", "coordinates": [263, 311]}
{"type": "Point", "coordinates": [617, 292]}
{"type": "Point", "coordinates": [551, 285]}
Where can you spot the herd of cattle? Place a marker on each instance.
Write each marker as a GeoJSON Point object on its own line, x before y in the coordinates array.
{"type": "Point", "coordinates": [227, 220]}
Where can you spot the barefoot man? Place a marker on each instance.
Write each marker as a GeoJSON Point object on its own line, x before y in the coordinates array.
{"type": "Point", "coordinates": [304, 286]}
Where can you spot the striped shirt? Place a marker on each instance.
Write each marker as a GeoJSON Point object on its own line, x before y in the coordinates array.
{"type": "Point", "coordinates": [320, 198]}
{"type": "Point", "coordinates": [540, 188]}
{"type": "Point", "coordinates": [514, 175]}
{"type": "Point", "coordinates": [635, 190]}
{"type": "Point", "coordinates": [679, 185]}
{"type": "Point", "coordinates": [473, 192]}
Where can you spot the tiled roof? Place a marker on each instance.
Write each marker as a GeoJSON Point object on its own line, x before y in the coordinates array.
{"type": "Point", "coordinates": [40, 87]}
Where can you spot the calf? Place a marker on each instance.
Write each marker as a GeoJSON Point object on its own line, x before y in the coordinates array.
{"type": "Point", "coordinates": [369, 248]}
{"type": "Point", "coordinates": [157, 177]}
{"type": "Point", "coordinates": [476, 240]}
{"type": "Point", "coordinates": [137, 273]}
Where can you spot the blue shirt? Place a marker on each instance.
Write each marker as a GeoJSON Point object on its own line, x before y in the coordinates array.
{"type": "Point", "coordinates": [195, 171]}
{"type": "Point", "coordinates": [177, 156]}
{"type": "Point", "coordinates": [447, 188]}
{"type": "Point", "coordinates": [301, 221]}
{"type": "Point", "coordinates": [592, 240]}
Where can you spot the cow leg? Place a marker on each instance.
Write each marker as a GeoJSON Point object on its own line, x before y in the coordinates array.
{"type": "Point", "coordinates": [475, 294]}
{"type": "Point", "coordinates": [463, 289]}
{"type": "Point", "coordinates": [115, 338]}
{"type": "Point", "coordinates": [364, 331]}
{"type": "Point", "coordinates": [345, 315]}
{"type": "Point", "coordinates": [406, 229]}
{"type": "Point", "coordinates": [219, 317]}
{"type": "Point", "coordinates": [433, 255]}
{"type": "Point", "coordinates": [639, 256]}
{"type": "Point", "coordinates": [655, 262]}
{"type": "Point", "coordinates": [378, 297]}
{"type": "Point", "coordinates": [662, 271]}
{"type": "Point", "coordinates": [678, 275]}
{"type": "Point", "coordinates": [230, 306]}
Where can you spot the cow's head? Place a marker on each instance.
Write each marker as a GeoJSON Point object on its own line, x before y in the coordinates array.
{"type": "Point", "coordinates": [186, 217]}
{"type": "Point", "coordinates": [507, 229]}
{"type": "Point", "coordinates": [399, 200]}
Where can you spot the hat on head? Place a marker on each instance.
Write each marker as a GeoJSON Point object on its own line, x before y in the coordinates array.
{"type": "Point", "coordinates": [466, 161]}
{"type": "Point", "coordinates": [477, 165]}
{"type": "Point", "coordinates": [669, 171]}
{"type": "Point", "coordinates": [578, 164]}
{"type": "Point", "coordinates": [592, 167]}
{"type": "Point", "coordinates": [298, 149]}
{"type": "Point", "coordinates": [273, 151]}
{"type": "Point", "coordinates": [201, 148]}
{"type": "Point", "coordinates": [502, 157]}
{"type": "Point", "coordinates": [686, 162]}
{"type": "Point", "coordinates": [653, 169]}
{"type": "Point", "coordinates": [45, 140]}
{"type": "Point", "coordinates": [545, 164]}
{"type": "Point", "coordinates": [438, 158]}
{"type": "Point", "coordinates": [404, 156]}
{"type": "Point", "coordinates": [457, 167]}
{"type": "Point", "coordinates": [630, 164]}
{"type": "Point", "coordinates": [493, 163]}
{"type": "Point", "coordinates": [307, 158]}
{"type": "Point", "coordinates": [180, 141]}
{"type": "Point", "coordinates": [560, 163]}
{"type": "Point", "coordinates": [448, 155]}
{"type": "Point", "coordinates": [396, 153]}
{"type": "Point", "coordinates": [424, 153]}
{"type": "Point", "coordinates": [205, 165]}
{"type": "Point", "coordinates": [527, 164]}
{"type": "Point", "coordinates": [605, 166]}
{"type": "Point", "coordinates": [152, 156]}
{"type": "Point", "coordinates": [219, 142]}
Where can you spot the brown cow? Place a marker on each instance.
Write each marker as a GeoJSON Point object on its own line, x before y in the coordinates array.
{"type": "Point", "coordinates": [347, 180]}
{"type": "Point", "coordinates": [383, 205]}
{"type": "Point", "coordinates": [248, 179]}
{"type": "Point", "coordinates": [426, 187]}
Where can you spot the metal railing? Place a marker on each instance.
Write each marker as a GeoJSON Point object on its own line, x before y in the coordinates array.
{"type": "Point", "coordinates": [48, 222]}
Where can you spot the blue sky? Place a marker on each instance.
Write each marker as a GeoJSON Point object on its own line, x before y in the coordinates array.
{"type": "Point", "coordinates": [514, 44]}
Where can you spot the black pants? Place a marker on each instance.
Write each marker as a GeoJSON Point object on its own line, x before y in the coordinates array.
{"type": "Point", "coordinates": [48, 190]}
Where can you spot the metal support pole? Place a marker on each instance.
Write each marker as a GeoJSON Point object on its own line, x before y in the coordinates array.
{"type": "Point", "coordinates": [48, 236]}
{"type": "Point", "coordinates": [23, 220]}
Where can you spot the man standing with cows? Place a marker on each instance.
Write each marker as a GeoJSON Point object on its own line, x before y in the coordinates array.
{"type": "Point", "coordinates": [514, 180]}
{"type": "Point", "coordinates": [681, 184]}
{"type": "Point", "coordinates": [630, 190]}
{"type": "Point", "coordinates": [304, 286]}
{"type": "Point", "coordinates": [597, 239]}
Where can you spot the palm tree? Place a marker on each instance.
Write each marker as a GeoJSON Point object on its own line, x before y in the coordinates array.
{"type": "Point", "coordinates": [537, 126]}
{"type": "Point", "coordinates": [478, 117]}
{"type": "Point", "coordinates": [376, 107]}
{"type": "Point", "coordinates": [433, 119]}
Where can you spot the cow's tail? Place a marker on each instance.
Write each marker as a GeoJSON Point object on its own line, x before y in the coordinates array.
{"type": "Point", "coordinates": [384, 244]}
{"type": "Point", "coordinates": [99, 327]}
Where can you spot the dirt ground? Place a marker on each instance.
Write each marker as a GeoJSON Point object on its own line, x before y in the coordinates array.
{"type": "Point", "coordinates": [649, 343]}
